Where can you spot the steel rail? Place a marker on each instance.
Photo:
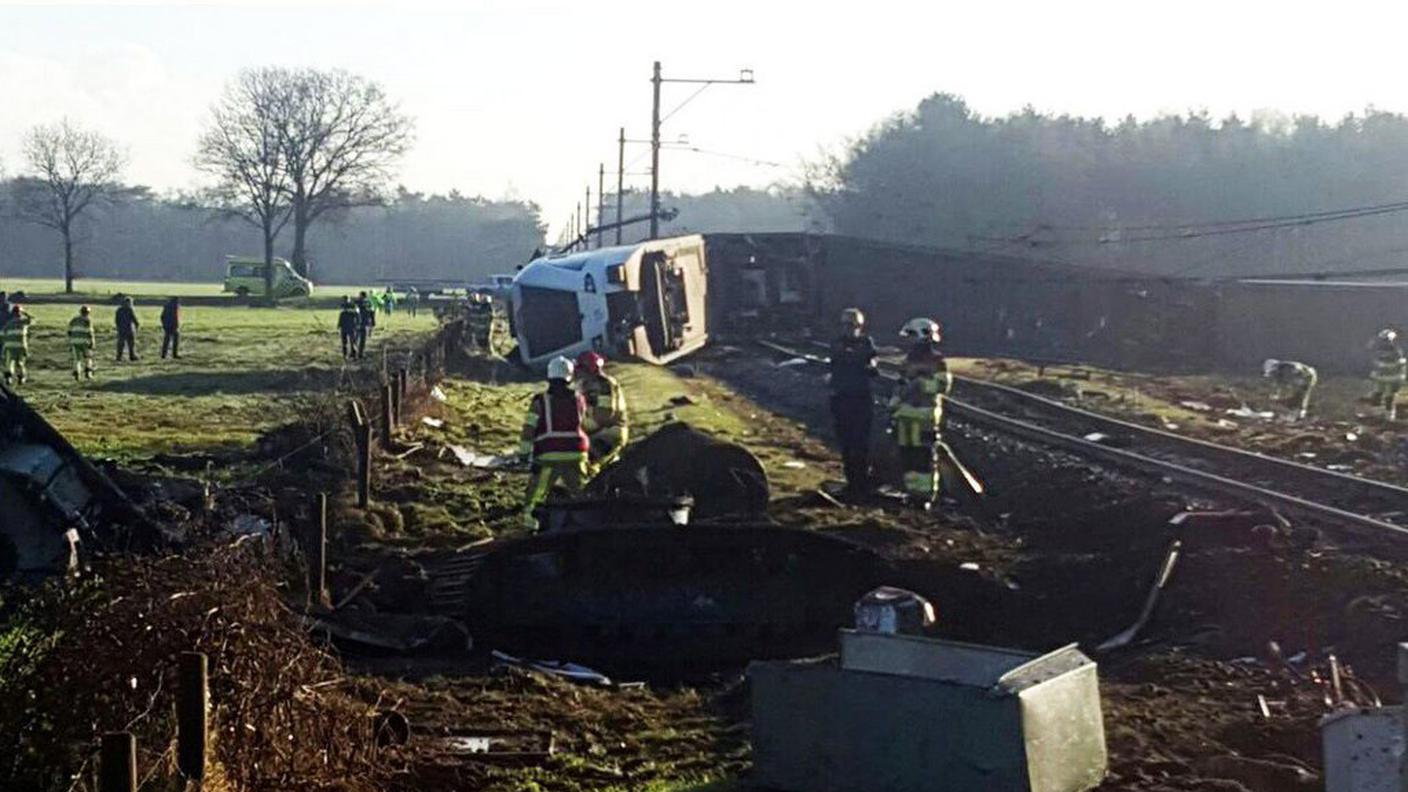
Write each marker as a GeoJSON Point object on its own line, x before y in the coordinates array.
{"type": "Point", "coordinates": [1173, 470]}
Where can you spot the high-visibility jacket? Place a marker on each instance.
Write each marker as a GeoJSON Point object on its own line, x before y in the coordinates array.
{"type": "Point", "coordinates": [606, 402]}
{"type": "Point", "coordinates": [15, 335]}
{"type": "Point", "coordinates": [481, 316]}
{"type": "Point", "coordinates": [553, 429]}
{"type": "Point", "coordinates": [1390, 367]}
{"type": "Point", "coordinates": [918, 401]}
{"type": "Point", "coordinates": [80, 332]}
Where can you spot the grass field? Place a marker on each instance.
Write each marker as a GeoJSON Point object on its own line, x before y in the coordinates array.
{"type": "Point", "coordinates": [242, 370]}
{"type": "Point", "coordinates": [103, 287]}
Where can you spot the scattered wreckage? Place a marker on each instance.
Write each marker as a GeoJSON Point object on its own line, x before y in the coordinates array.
{"type": "Point", "coordinates": [52, 499]}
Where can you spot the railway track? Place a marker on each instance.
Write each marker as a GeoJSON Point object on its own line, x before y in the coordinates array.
{"type": "Point", "coordinates": [1369, 508]}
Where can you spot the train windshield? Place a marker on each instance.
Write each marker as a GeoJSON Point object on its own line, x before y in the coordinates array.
{"type": "Point", "coordinates": [550, 319]}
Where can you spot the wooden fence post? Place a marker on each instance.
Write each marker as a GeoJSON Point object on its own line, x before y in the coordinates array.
{"type": "Point", "coordinates": [395, 390]}
{"type": "Point", "coordinates": [402, 382]}
{"type": "Point", "coordinates": [362, 437]}
{"type": "Point", "coordinates": [117, 763]}
{"type": "Point", "coordinates": [318, 552]}
{"type": "Point", "coordinates": [387, 417]}
{"type": "Point", "coordinates": [192, 712]}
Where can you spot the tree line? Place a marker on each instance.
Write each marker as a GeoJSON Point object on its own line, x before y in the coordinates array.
{"type": "Point", "coordinates": [1152, 196]}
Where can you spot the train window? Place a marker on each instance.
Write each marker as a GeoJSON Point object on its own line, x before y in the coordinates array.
{"type": "Point", "coordinates": [616, 273]}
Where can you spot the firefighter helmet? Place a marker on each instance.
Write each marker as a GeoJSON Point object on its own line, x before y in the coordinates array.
{"type": "Point", "coordinates": [591, 361]}
{"type": "Point", "coordinates": [1388, 335]}
{"type": "Point", "coordinates": [85, 310]}
{"type": "Point", "coordinates": [853, 317]}
{"type": "Point", "coordinates": [1268, 366]}
{"type": "Point", "coordinates": [921, 329]}
{"type": "Point", "coordinates": [560, 368]}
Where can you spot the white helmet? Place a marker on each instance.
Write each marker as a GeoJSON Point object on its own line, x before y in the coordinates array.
{"type": "Point", "coordinates": [1388, 335]}
{"type": "Point", "coordinates": [920, 328]}
{"type": "Point", "coordinates": [1268, 366]}
{"type": "Point", "coordinates": [853, 316]}
{"type": "Point", "coordinates": [560, 368]}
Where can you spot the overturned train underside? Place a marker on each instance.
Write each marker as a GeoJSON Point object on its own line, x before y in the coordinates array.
{"type": "Point", "coordinates": [660, 595]}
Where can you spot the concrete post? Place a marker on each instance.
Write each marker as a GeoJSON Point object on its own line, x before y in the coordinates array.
{"type": "Point", "coordinates": [387, 416]}
{"type": "Point", "coordinates": [318, 551]}
{"type": "Point", "coordinates": [117, 763]}
{"type": "Point", "coordinates": [1403, 680]}
{"type": "Point", "coordinates": [192, 711]}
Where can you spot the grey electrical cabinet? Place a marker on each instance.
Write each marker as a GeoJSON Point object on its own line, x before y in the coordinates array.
{"type": "Point", "coordinates": [899, 713]}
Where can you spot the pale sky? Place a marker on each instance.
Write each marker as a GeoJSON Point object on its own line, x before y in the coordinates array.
{"type": "Point", "coordinates": [525, 98]}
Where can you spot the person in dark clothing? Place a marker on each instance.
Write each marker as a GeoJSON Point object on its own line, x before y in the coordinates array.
{"type": "Point", "coordinates": [171, 328]}
{"type": "Point", "coordinates": [366, 314]}
{"type": "Point", "coordinates": [852, 368]}
{"type": "Point", "coordinates": [127, 324]}
{"type": "Point", "coordinates": [348, 325]}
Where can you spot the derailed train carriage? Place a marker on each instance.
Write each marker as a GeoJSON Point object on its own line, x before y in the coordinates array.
{"type": "Point", "coordinates": [661, 300]}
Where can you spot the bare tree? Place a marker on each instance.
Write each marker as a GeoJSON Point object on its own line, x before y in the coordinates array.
{"type": "Point", "coordinates": [242, 147]}
{"type": "Point", "coordinates": [75, 168]}
{"type": "Point", "coordinates": [341, 137]}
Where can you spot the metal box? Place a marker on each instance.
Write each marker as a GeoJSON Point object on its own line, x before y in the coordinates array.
{"type": "Point", "coordinates": [901, 713]}
{"type": "Point", "coordinates": [1363, 749]}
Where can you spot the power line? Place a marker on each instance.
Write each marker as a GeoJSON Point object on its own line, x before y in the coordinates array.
{"type": "Point", "coordinates": [1223, 229]}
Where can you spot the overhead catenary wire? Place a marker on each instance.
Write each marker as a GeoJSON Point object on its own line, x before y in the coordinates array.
{"type": "Point", "coordinates": [1177, 232]}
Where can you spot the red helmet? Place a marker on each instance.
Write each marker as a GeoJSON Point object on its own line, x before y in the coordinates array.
{"type": "Point", "coordinates": [591, 361]}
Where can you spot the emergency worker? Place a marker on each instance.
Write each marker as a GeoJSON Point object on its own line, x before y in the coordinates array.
{"type": "Point", "coordinates": [1291, 384]}
{"type": "Point", "coordinates": [554, 439]}
{"type": "Point", "coordinates": [852, 405]}
{"type": "Point", "coordinates": [171, 328]}
{"type": "Point", "coordinates": [606, 420]}
{"type": "Point", "coordinates": [348, 324]}
{"type": "Point", "coordinates": [126, 322]}
{"type": "Point", "coordinates": [412, 301]}
{"type": "Point", "coordinates": [480, 320]}
{"type": "Point", "coordinates": [1388, 373]}
{"type": "Point", "coordinates": [82, 340]}
{"type": "Point", "coordinates": [15, 337]}
{"type": "Point", "coordinates": [917, 410]}
{"type": "Point", "coordinates": [366, 316]}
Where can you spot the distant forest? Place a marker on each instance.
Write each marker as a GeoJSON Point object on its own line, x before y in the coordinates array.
{"type": "Point", "coordinates": [1086, 191]}
{"type": "Point", "coordinates": [145, 236]}
{"type": "Point", "coordinates": [1155, 196]}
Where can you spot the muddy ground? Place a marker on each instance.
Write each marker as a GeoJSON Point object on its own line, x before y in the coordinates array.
{"type": "Point", "coordinates": [1059, 551]}
{"type": "Point", "coordinates": [1221, 690]}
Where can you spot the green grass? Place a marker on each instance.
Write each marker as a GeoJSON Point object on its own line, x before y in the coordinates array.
{"type": "Point", "coordinates": [243, 371]}
{"type": "Point", "coordinates": [104, 287]}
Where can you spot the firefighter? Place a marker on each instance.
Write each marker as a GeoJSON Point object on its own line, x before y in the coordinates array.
{"type": "Point", "coordinates": [388, 301]}
{"type": "Point", "coordinates": [126, 321]}
{"type": "Point", "coordinates": [348, 324]}
{"type": "Point", "coordinates": [554, 439]}
{"type": "Point", "coordinates": [1291, 384]}
{"type": "Point", "coordinates": [917, 410]}
{"type": "Point", "coordinates": [15, 336]}
{"type": "Point", "coordinates": [1390, 370]}
{"type": "Point", "coordinates": [81, 343]}
{"type": "Point", "coordinates": [481, 320]}
{"type": "Point", "coordinates": [606, 419]}
{"type": "Point", "coordinates": [852, 406]}
{"type": "Point", "coordinates": [412, 301]}
{"type": "Point", "coordinates": [171, 328]}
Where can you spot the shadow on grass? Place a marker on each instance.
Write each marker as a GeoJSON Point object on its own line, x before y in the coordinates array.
{"type": "Point", "coordinates": [204, 383]}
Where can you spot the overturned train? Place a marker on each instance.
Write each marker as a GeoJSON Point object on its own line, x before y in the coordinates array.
{"type": "Point", "coordinates": [663, 299]}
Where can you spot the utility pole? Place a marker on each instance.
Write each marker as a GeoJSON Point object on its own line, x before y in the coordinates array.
{"type": "Point", "coordinates": [745, 77]}
{"type": "Point", "coordinates": [577, 229]}
{"type": "Point", "coordinates": [655, 153]}
{"type": "Point", "coordinates": [587, 228]}
{"type": "Point", "coordinates": [620, 181]}
{"type": "Point", "coordinates": [600, 200]}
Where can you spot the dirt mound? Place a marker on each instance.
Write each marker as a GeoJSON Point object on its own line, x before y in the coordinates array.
{"type": "Point", "coordinates": [723, 478]}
